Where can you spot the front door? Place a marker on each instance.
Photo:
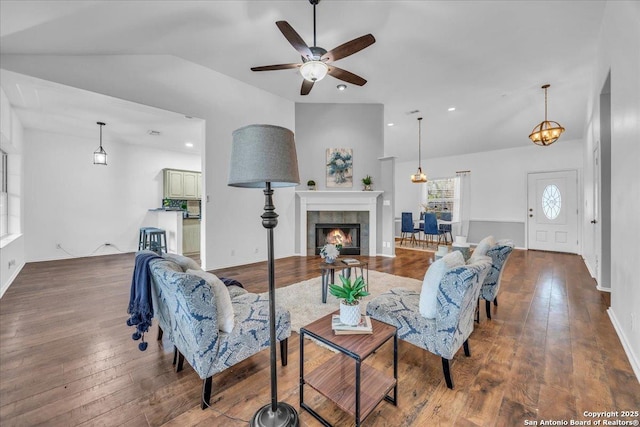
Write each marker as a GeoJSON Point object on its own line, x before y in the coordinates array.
{"type": "Point", "coordinates": [552, 217]}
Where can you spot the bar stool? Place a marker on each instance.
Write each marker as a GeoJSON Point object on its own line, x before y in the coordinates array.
{"type": "Point", "coordinates": [155, 239]}
{"type": "Point", "coordinates": [142, 237]}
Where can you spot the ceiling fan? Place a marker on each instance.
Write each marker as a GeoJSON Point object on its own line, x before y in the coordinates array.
{"type": "Point", "coordinates": [316, 61]}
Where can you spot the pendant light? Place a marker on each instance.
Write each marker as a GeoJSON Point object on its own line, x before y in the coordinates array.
{"type": "Point", "coordinates": [547, 132]}
{"type": "Point", "coordinates": [100, 156]}
{"type": "Point", "coordinates": [419, 177]}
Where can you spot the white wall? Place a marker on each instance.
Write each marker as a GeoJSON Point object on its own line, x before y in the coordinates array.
{"type": "Point", "coordinates": [498, 178]}
{"type": "Point", "coordinates": [81, 206]}
{"type": "Point", "coordinates": [619, 52]}
{"type": "Point", "coordinates": [322, 126]}
{"type": "Point", "coordinates": [232, 215]}
{"type": "Point", "coordinates": [12, 255]}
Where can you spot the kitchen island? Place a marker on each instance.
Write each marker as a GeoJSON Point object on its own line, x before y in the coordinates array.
{"type": "Point", "coordinates": [183, 234]}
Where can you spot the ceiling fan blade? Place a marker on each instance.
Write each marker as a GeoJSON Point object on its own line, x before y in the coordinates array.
{"type": "Point", "coordinates": [294, 38]}
{"type": "Point", "coordinates": [306, 87]}
{"type": "Point", "coordinates": [275, 67]}
{"type": "Point", "coordinates": [349, 48]}
{"type": "Point", "coordinates": [346, 76]}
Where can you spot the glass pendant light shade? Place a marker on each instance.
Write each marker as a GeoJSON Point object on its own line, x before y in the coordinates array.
{"type": "Point", "coordinates": [419, 176]}
{"type": "Point", "coordinates": [547, 132]}
{"type": "Point", "coordinates": [100, 156]}
{"type": "Point", "coordinates": [314, 70]}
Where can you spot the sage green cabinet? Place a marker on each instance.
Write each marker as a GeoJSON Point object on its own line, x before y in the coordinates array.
{"type": "Point", "coordinates": [190, 236]}
{"type": "Point", "coordinates": [182, 184]}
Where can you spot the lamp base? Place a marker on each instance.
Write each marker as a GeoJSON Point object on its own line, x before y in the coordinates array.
{"type": "Point", "coordinates": [286, 415]}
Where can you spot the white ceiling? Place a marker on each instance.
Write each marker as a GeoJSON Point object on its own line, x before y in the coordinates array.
{"type": "Point", "coordinates": [486, 58]}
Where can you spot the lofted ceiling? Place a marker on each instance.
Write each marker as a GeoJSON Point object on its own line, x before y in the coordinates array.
{"type": "Point", "coordinates": [487, 59]}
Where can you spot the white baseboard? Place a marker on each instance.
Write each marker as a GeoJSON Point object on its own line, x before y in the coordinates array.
{"type": "Point", "coordinates": [633, 359]}
{"type": "Point", "coordinates": [600, 288]}
{"type": "Point", "coordinates": [11, 279]}
{"type": "Point", "coordinates": [386, 255]}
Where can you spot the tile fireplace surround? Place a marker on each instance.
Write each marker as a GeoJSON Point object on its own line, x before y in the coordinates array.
{"type": "Point", "coordinates": [345, 201]}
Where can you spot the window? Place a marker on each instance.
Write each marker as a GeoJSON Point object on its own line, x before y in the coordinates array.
{"type": "Point", "coordinates": [4, 197]}
{"type": "Point", "coordinates": [551, 201]}
{"type": "Point", "coordinates": [442, 195]}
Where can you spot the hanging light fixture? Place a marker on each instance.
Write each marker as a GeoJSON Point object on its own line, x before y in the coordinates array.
{"type": "Point", "coordinates": [100, 156]}
{"type": "Point", "coordinates": [546, 133]}
{"type": "Point", "coordinates": [419, 177]}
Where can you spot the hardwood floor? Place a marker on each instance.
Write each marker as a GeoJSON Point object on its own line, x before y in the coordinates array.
{"type": "Point", "coordinates": [67, 358]}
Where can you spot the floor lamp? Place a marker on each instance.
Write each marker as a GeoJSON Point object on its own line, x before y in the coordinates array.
{"type": "Point", "coordinates": [264, 156]}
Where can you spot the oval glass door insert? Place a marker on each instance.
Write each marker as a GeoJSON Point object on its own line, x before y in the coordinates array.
{"type": "Point", "coordinates": [551, 201]}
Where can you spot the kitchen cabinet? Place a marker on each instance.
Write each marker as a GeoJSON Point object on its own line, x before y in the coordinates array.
{"type": "Point", "coordinates": [190, 236]}
{"type": "Point", "coordinates": [181, 184]}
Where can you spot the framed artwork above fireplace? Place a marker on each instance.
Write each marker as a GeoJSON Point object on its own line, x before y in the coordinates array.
{"type": "Point", "coordinates": [339, 167]}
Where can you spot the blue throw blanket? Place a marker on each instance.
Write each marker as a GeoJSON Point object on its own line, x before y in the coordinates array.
{"type": "Point", "coordinates": [140, 303]}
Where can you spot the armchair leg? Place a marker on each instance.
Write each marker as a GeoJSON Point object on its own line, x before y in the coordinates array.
{"type": "Point", "coordinates": [488, 305]}
{"type": "Point", "coordinates": [206, 393]}
{"type": "Point", "coordinates": [478, 311]}
{"type": "Point", "coordinates": [180, 363]}
{"type": "Point", "coordinates": [467, 352]}
{"type": "Point", "coordinates": [495, 301]}
{"type": "Point", "coordinates": [175, 355]}
{"type": "Point", "coordinates": [284, 351]}
{"type": "Point", "coordinates": [447, 373]}
{"type": "Point", "coordinates": [159, 333]}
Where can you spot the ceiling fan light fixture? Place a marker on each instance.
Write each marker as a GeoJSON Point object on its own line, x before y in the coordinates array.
{"type": "Point", "coordinates": [547, 132]}
{"type": "Point", "coordinates": [314, 71]}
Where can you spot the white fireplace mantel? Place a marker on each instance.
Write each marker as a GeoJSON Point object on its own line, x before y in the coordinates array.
{"type": "Point", "coordinates": [339, 201]}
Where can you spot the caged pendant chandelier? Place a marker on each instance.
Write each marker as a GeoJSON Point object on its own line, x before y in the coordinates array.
{"type": "Point", "coordinates": [419, 177]}
{"type": "Point", "coordinates": [547, 132]}
{"type": "Point", "coordinates": [100, 156]}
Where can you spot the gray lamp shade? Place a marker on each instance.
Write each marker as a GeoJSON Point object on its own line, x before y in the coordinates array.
{"type": "Point", "coordinates": [261, 154]}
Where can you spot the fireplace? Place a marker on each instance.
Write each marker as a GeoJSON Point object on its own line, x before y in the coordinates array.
{"type": "Point", "coordinates": [347, 235]}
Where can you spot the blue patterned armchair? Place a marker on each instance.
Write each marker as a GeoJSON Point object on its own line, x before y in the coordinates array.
{"type": "Point", "coordinates": [443, 336]}
{"type": "Point", "coordinates": [187, 315]}
{"type": "Point", "coordinates": [499, 254]}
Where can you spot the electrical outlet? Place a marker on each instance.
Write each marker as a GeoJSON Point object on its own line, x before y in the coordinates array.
{"type": "Point", "coordinates": [12, 263]}
{"type": "Point", "coordinates": [58, 246]}
{"type": "Point", "coordinates": [233, 252]}
{"type": "Point", "coordinates": [255, 251]}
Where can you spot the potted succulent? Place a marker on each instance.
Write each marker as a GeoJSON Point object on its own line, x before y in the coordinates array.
{"type": "Point", "coordinates": [329, 253]}
{"type": "Point", "coordinates": [349, 296]}
{"type": "Point", "coordinates": [367, 182]}
{"type": "Point", "coordinates": [311, 185]}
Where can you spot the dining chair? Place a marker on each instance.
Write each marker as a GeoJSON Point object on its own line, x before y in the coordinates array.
{"type": "Point", "coordinates": [445, 228]}
{"type": "Point", "coordinates": [431, 227]}
{"type": "Point", "coordinates": [408, 227]}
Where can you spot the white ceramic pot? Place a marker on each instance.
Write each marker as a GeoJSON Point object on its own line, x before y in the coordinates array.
{"type": "Point", "coordinates": [350, 314]}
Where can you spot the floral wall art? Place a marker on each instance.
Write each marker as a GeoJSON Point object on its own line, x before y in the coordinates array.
{"type": "Point", "coordinates": [340, 167]}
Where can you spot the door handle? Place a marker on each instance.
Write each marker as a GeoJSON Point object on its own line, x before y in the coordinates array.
{"type": "Point", "coordinates": [593, 221]}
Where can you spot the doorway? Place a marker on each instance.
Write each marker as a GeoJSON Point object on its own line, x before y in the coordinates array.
{"type": "Point", "coordinates": [552, 217]}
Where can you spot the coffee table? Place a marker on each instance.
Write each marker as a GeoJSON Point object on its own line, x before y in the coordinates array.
{"type": "Point", "coordinates": [327, 272]}
{"type": "Point", "coordinates": [357, 391]}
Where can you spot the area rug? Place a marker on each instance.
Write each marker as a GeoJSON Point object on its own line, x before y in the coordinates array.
{"type": "Point", "coordinates": [304, 299]}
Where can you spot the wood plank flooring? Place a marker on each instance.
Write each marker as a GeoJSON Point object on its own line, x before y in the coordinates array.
{"type": "Point", "coordinates": [67, 358]}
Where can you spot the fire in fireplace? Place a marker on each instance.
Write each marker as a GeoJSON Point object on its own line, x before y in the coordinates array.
{"type": "Point", "coordinates": [347, 235]}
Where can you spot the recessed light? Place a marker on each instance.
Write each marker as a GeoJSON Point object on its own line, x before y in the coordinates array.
{"type": "Point", "coordinates": [341, 87]}
{"type": "Point", "coordinates": [390, 124]}
{"type": "Point", "coordinates": [188, 144]}
{"type": "Point", "coordinates": [153, 132]}
{"type": "Point", "coordinates": [452, 109]}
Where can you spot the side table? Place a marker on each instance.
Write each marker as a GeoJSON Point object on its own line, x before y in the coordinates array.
{"type": "Point", "coordinates": [356, 391]}
{"type": "Point", "coordinates": [327, 272]}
